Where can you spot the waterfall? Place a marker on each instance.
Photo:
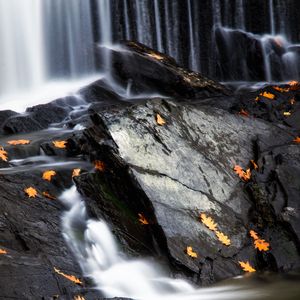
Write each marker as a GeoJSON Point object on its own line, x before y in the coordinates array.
{"type": "Point", "coordinates": [193, 62]}
{"type": "Point", "coordinates": [272, 21]}
{"type": "Point", "coordinates": [158, 26]}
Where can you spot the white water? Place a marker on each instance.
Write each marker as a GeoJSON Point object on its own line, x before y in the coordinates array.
{"type": "Point", "coordinates": [116, 276]}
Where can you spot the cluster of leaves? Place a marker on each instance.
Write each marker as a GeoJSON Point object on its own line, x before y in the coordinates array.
{"type": "Point", "coordinates": [259, 243]}
{"type": "Point", "coordinates": [244, 175]}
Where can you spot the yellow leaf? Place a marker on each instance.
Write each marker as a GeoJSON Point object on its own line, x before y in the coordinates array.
{"type": "Point", "coordinates": [155, 56]}
{"type": "Point", "coordinates": [268, 95]}
{"type": "Point", "coordinates": [245, 175]}
{"type": "Point", "coordinates": [247, 267]}
{"type": "Point", "coordinates": [208, 222]}
{"type": "Point", "coordinates": [60, 144]}
{"type": "Point", "coordinates": [255, 166]}
{"type": "Point", "coordinates": [3, 154]}
{"type": "Point", "coordinates": [159, 120]}
{"type": "Point", "coordinates": [224, 239]}
{"type": "Point", "coordinates": [31, 192]}
{"type": "Point", "coordinates": [99, 165]}
{"type": "Point", "coordinates": [142, 219]}
{"type": "Point", "coordinates": [254, 235]}
{"type": "Point", "coordinates": [3, 251]}
{"type": "Point", "coordinates": [47, 195]}
{"type": "Point", "coordinates": [76, 172]}
{"type": "Point", "coordinates": [287, 113]}
{"type": "Point", "coordinates": [297, 140]}
{"type": "Point", "coordinates": [190, 252]}
{"type": "Point", "coordinates": [47, 175]}
{"type": "Point", "coordinates": [261, 245]}
{"type": "Point", "coordinates": [70, 277]}
{"type": "Point", "coordinates": [18, 142]}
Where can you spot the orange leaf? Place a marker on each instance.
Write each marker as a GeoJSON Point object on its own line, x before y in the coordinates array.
{"type": "Point", "coordinates": [295, 85]}
{"type": "Point", "coordinates": [76, 172]}
{"type": "Point", "coordinates": [190, 252]}
{"type": "Point", "coordinates": [297, 140]}
{"type": "Point", "coordinates": [3, 251]}
{"type": "Point", "coordinates": [31, 192]}
{"type": "Point", "coordinates": [47, 195]}
{"type": "Point", "coordinates": [3, 154]}
{"type": "Point", "coordinates": [281, 90]}
{"type": "Point", "coordinates": [247, 267]}
{"type": "Point", "coordinates": [208, 222]}
{"type": "Point", "coordinates": [70, 277]}
{"type": "Point", "coordinates": [245, 175]}
{"type": "Point", "coordinates": [159, 120]}
{"type": "Point", "coordinates": [261, 245]}
{"type": "Point", "coordinates": [18, 142]}
{"type": "Point", "coordinates": [244, 113]}
{"type": "Point", "coordinates": [255, 166]}
{"type": "Point", "coordinates": [254, 235]}
{"type": "Point", "coordinates": [224, 239]}
{"type": "Point", "coordinates": [60, 144]}
{"type": "Point", "coordinates": [142, 219]}
{"type": "Point", "coordinates": [99, 165]}
{"type": "Point", "coordinates": [155, 56]}
{"type": "Point", "coordinates": [267, 95]}
{"type": "Point", "coordinates": [47, 175]}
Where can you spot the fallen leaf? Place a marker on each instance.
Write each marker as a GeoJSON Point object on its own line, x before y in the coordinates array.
{"type": "Point", "coordinates": [294, 85]}
{"type": "Point", "coordinates": [190, 252]}
{"type": "Point", "coordinates": [31, 192]}
{"type": "Point", "coordinates": [292, 101]}
{"type": "Point", "coordinates": [255, 166]}
{"type": "Point", "coordinates": [297, 140]}
{"type": "Point", "coordinates": [155, 56]}
{"type": "Point", "coordinates": [70, 277]}
{"type": "Point", "coordinates": [245, 175]}
{"type": "Point", "coordinates": [268, 95]}
{"type": "Point", "coordinates": [3, 251]}
{"type": "Point", "coordinates": [3, 154]}
{"type": "Point", "coordinates": [47, 195]}
{"type": "Point", "coordinates": [287, 113]}
{"type": "Point", "coordinates": [47, 175]}
{"type": "Point", "coordinates": [79, 298]}
{"type": "Point", "coordinates": [208, 222]}
{"type": "Point", "coordinates": [244, 113]}
{"type": "Point", "coordinates": [281, 90]}
{"type": "Point", "coordinates": [76, 172]}
{"type": "Point", "coordinates": [18, 142]}
{"type": "Point", "coordinates": [247, 267]}
{"type": "Point", "coordinates": [254, 235]}
{"type": "Point", "coordinates": [261, 245]}
{"type": "Point", "coordinates": [99, 165]}
{"type": "Point", "coordinates": [142, 219]}
{"type": "Point", "coordinates": [224, 239]}
{"type": "Point", "coordinates": [60, 144]}
{"type": "Point", "coordinates": [159, 120]}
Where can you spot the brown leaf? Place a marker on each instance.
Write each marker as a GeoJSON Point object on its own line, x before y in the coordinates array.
{"type": "Point", "coordinates": [245, 175]}
{"type": "Point", "coordinates": [76, 172]}
{"type": "Point", "coordinates": [31, 192]}
{"type": "Point", "coordinates": [297, 140]}
{"type": "Point", "coordinates": [190, 252]}
{"type": "Point", "coordinates": [159, 120]}
{"type": "Point", "coordinates": [294, 85]}
{"type": "Point", "coordinates": [244, 113]}
{"type": "Point", "coordinates": [255, 166]}
{"type": "Point", "coordinates": [47, 175]}
{"type": "Point", "coordinates": [261, 245]}
{"type": "Point", "coordinates": [3, 251]}
{"type": "Point", "coordinates": [208, 222]}
{"type": "Point", "coordinates": [253, 234]}
{"type": "Point", "coordinates": [247, 267]}
{"type": "Point", "coordinates": [99, 165]}
{"type": "Point", "coordinates": [47, 195]}
{"type": "Point", "coordinates": [70, 277]}
{"type": "Point", "coordinates": [60, 144]}
{"type": "Point", "coordinates": [142, 219]}
{"type": "Point", "coordinates": [224, 239]}
{"type": "Point", "coordinates": [3, 154]}
{"type": "Point", "coordinates": [18, 142]}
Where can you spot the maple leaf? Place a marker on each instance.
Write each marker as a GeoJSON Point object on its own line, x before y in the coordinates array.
{"type": "Point", "coordinates": [245, 175]}
{"type": "Point", "coordinates": [268, 95]}
{"type": "Point", "coordinates": [60, 144]}
{"type": "Point", "coordinates": [47, 195]}
{"type": "Point", "coordinates": [70, 277]}
{"type": "Point", "coordinates": [255, 166]}
{"type": "Point", "coordinates": [253, 234]}
{"type": "Point", "coordinates": [190, 252]}
{"type": "Point", "coordinates": [208, 222]}
{"type": "Point", "coordinates": [3, 251]}
{"type": "Point", "coordinates": [244, 113]}
{"type": "Point", "coordinates": [99, 165]}
{"type": "Point", "coordinates": [247, 267]}
{"type": "Point", "coordinates": [47, 175]}
{"type": "Point", "coordinates": [159, 120]}
{"type": "Point", "coordinates": [261, 245]}
{"type": "Point", "coordinates": [3, 154]}
{"type": "Point", "coordinates": [142, 219]}
{"type": "Point", "coordinates": [224, 239]}
{"type": "Point", "coordinates": [297, 140]}
{"type": "Point", "coordinates": [18, 142]}
{"type": "Point", "coordinates": [76, 172]}
{"type": "Point", "coordinates": [31, 192]}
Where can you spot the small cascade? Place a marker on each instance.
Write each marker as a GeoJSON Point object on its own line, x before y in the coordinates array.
{"type": "Point", "coordinates": [158, 26]}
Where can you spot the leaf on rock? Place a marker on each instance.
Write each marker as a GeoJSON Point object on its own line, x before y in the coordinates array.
{"type": "Point", "coordinates": [255, 166]}
{"type": "Point", "coordinates": [76, 172]}
{"type": "Point", "coordinates": [69, 277]}
{"type": "Point", "coordinates": [99, 165]}
{"type": "Point", "coordinates": [245, 175]}
{"type": "Point", "coordinates": [268, 95]}
{"type": "Point", "coordinates": [281, 90]}
{"type": "Point", "coordinates": [47, 175]}
{"type": "Point", "coordinates": [47, 195]}
{"type": "Point", "coordinates": [190, 252]}
{"type": "Point", "coordinates": [60, 144]}
{"type": "Point", "coordinates": [244, 113]}
{"type": "Point", "coordinates": [18, 142]}
{"type": "Point", "coordinates": [224, 239]}
{"type": "Point", "coordinates": [31, 192]}
{"type": "Point", "coordinates": [143, 220]}
{"type": "Point", "coordinates": [261, 245]}
{"type": "Point", "coordinates": [159, 120]}
{"type": "Point", "coordinates": [297, 140]}
{"type": "Point", "coordinates": [208, 222]}
{"type": "Point", "coordinates": [247, 267]}
{"type": "Point", "coordinates": [287, 113]}
{"type": "Point", "coordinates": [294, 85]}
{"type": "Point", "coordinates": [3, 251]}
{"type": "Point", "coordinates": [253, 234]}
{"type": "Point", "coordinates": [292, 101]}
{"type": "Point", "coordinates": [155, 55]}
{"type": "Point", "coordinates": [3, 154]}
